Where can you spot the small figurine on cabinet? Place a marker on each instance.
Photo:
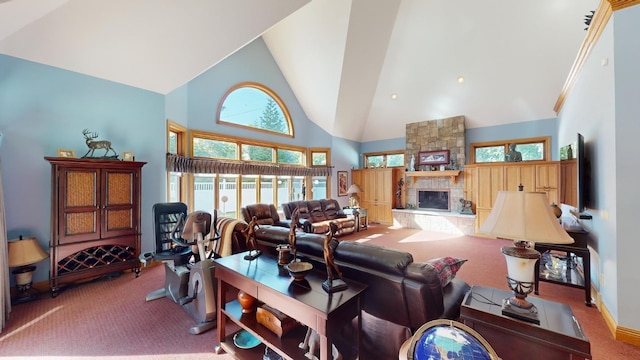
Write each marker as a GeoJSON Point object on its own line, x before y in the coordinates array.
{"type": "Point", "coordinates": [252, 244]}
{"type": "Point", "coordinates": [94, 145]}
{"type": "Point", "coordinates": [295, 217]}
{"type": "Point", "coordinates": [466, 207]}
{"type": "Point", "coordinates": [332, 284]}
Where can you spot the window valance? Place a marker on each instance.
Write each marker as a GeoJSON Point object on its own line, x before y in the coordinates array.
{"type": "Point", "coordinates": [184, 164]}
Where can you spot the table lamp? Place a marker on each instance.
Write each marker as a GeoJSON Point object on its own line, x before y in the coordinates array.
{"type": "Point", "coordinates": [523, 217]}
{"type": "Point", "coordinates": [23, 253]}
{"type": "Point", "coordinates": [353, 190]}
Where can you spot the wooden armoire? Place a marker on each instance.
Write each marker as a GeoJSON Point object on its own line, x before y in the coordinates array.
{"type": "Point", "coordinates": [95, 218]}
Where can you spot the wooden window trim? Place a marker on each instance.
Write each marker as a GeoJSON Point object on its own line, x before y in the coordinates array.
{"type": "Point", "coordinates": [545, 140]}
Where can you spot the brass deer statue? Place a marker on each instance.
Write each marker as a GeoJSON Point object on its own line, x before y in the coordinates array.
{"type": "Point", "coordinates": [93, 145]}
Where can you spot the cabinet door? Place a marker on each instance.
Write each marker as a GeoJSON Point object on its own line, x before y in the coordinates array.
{"type": "Point", "coordinates": [383, 186]}
{"type": "Point", "coordinates": [547, 180]}
{"type": "Point", "coordinates": [520, 174]}
{"type": "Point", "coordinates": [568, 182]}
{"type": "Point", "coordinates": [490, 181]}
{"type": "Point", "coordinates": [118, 203]}
{"type": "Point", "coordinates": [78, 205]}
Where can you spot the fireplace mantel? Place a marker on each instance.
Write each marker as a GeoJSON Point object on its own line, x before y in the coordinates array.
{"type": "Point", "coordinates": [453, 174]}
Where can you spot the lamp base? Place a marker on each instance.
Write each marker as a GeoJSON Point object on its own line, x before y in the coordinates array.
{"type": "Point", "coordinates": [530, 314]}
{"type": "Point", "coordinates": [23, 299]}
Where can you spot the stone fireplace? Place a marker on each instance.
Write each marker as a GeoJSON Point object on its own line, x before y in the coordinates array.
{"type": "Point", "coordinates": [443, 134]}
{"type": "Point", "coordinates": [433, 202]}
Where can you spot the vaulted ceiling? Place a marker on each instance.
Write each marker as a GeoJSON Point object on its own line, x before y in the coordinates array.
{"type": "Point", "coordinates": [344, 59]}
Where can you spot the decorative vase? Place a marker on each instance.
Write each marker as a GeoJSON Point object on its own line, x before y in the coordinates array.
{"type": "Point", "coordinates": [247, 302]}
{"type": "Point", "coordinates": [556, 210]}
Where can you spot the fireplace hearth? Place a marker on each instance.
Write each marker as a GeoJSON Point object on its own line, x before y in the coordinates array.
{"type": "Point", "coordinates": [433, 199]}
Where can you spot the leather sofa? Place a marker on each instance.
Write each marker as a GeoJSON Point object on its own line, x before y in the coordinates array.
{"type": "Point", "coordinates": [266, 214]}
{"type": "Point", "coordinates": [315, 216]}
{"type": "Point", "coordinates": [401, 296]}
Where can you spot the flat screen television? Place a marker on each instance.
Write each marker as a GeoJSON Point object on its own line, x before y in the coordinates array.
{"type": "Point", "coordinates": [581, 174]}
{"type": "Point", "coordinates": [575, 175]}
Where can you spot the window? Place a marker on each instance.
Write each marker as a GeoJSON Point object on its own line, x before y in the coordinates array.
{"type": "Point", "coordinates": [255, 106]}
{"type": "Point", "coordinates": [238, 190]}
{"type": "Point", "coordinates": [386, 159]}
{"type": "Point", "coordinates": [532, 149]}
{"type": "Point", "coordinates": [176, 144]}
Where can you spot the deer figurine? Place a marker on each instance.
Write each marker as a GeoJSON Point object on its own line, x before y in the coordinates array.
{"type": "Point", "coordinates": [93, 145]}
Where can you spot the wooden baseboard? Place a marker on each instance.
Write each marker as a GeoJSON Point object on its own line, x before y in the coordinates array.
{"type": "Point", "coordinates": [626, 335]}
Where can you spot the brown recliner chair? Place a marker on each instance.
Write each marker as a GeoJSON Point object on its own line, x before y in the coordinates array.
{"type": "Point", "coordinates": [266, 214]}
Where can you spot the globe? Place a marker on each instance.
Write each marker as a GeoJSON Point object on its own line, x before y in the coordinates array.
{"type": "Point", "coordinates": [445, 340]}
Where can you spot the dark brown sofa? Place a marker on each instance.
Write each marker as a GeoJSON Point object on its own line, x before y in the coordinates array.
{"type": "Point", "coordinates": [266, 214]}
{"type": "Point", "coordinates": [315, 216]}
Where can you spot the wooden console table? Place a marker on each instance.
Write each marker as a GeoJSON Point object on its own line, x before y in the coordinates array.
{"type": "Point", "coordinates": [575, 274]}
{"type": "Point", "coordinates": [559, 335]}
{"type": "Point", "coordinates": [305, 301]}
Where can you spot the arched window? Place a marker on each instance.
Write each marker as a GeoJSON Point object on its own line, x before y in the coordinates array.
{"type": "Point", "coordinates": [256, 106]}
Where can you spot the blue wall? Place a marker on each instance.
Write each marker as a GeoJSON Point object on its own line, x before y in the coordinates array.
{"type": "Point", "coordinates": [42, 109]}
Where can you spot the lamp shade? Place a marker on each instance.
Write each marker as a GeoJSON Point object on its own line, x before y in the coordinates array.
{"type": "Point", "coordinates": [524, 216]}
{"type": "Point", "coordinates": [354, 189]}
{"type": "Point", "coordinates": [25, 251]}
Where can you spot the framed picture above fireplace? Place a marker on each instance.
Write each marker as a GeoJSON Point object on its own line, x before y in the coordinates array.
{"type": "Point", "coordinates": [436, 157]}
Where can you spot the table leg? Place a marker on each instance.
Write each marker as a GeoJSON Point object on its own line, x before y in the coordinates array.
{"type": "Point", "coordinates": [221, 298]}
{"type": "Point", "coordinates": [325, 348]}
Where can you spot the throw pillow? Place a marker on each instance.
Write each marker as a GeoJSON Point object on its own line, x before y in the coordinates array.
{"type": "Point", "coordinates": [447, 267]}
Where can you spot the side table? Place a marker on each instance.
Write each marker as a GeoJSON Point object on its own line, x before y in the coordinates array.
{"type": "Point", "coordinates": [362, 218]}
{"type": "Point", "coordinates": [575, 273]}
{"type": "Point", "coordinates": [559, 335]}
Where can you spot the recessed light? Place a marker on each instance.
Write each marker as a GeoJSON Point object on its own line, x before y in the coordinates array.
{"type": "Point", "coordinates": [394, 96]}
{"type": "Point", "coordinates": [460, 79]}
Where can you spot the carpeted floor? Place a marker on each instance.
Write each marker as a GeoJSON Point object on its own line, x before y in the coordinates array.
{"type": "Point", "coordinates": [110, 319]}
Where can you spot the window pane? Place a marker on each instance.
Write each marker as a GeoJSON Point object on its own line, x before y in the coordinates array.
{"type": "Point", "coordinates": [283, 190]}
{"type": "Point", "coordinates": [490, 154]}
{"type": "Point", "coordinates": [319, 158]}
{"type": "Point", "coordinates": [257, 153]}
{"type": "Point", "coordinates": [374, 161]}
{"type": "Point", "coordinates": [395, 160]}
{"type": "Point", "coordinates": [266, 189]}
{"type": "Point", "coordinates": [203, 192]}
{"type": "Point", "coordinates": [227, 188]}
{"type": "Point", "coordinates": [214, 149]}
{"type": "Point", "coordinates": [174, 186]}
{"type": "Point", "coordinates": [249, 193]}
{"type": "Point", "coordinates": [173, 142]}
{"type": "Point", "coordinates": [296, 188]}
{"type": "Point", "coordinates": [534, 151]}
{"type": "Point", "coordinates": [252, 107]}
{"type": "Point", "coordinates": [289, 157]}
{"type": "Point", "coordinates": [319, 187]}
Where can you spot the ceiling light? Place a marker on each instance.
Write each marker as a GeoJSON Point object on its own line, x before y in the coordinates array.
{"type": "Point", "coordinates": [394, 96]}
{"type": "Point", "coordinates": [460, 79]}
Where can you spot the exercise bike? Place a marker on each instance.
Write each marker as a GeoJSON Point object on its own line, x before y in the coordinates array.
{"type": "Point", "coordinates": [190, 284]}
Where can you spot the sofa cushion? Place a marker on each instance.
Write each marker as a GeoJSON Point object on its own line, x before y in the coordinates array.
{"type": "Point", "coordinates": [374, 257]}
{"type": "Point", "coordinates": [331, 209]}
{"type": "Point", "coordinates": [447, 267]}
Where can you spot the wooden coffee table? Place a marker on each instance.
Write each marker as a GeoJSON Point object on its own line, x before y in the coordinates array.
{"type": "Point", "coordinates": [559, 335]}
